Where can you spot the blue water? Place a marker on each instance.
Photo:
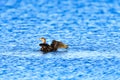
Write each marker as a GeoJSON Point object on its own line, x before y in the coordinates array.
{"type": "Point", "coordinates": [91, 28]}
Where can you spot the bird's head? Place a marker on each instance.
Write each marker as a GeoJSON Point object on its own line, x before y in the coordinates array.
{"type": "Point", "coordinates": [43, 40]}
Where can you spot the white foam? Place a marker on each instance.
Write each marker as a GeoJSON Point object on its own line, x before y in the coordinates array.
{"type": "Point", "coordinates": [85, 54]}
{"type": "Point", "coordinates": [64, 55]}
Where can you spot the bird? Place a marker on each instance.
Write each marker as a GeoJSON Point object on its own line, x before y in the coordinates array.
{"type": "Point", "coordinates": [54, 46]}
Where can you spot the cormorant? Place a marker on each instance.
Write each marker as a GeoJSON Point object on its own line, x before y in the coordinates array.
{"type": "Point", "coordinates": [52, 47]}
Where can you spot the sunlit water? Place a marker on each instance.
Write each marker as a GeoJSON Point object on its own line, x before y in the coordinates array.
{"type": "Point", "coordinates": [91, 28]}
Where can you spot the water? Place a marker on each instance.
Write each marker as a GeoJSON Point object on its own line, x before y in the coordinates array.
{"type": "Point", "coordinates": [89, 27]}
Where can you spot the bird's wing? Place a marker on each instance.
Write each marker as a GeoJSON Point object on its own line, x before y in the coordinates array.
{"type": "Point", "coordinates": [58, 44]}
{"type": "Point", "coordinates": [55, 44]}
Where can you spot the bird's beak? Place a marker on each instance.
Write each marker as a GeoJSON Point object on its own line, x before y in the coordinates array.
{"type": "Point", "coordinates": [40, 39]}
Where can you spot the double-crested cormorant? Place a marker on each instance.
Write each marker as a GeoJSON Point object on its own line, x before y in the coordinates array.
{"type": "Point", "coordinates": [53, 47]}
